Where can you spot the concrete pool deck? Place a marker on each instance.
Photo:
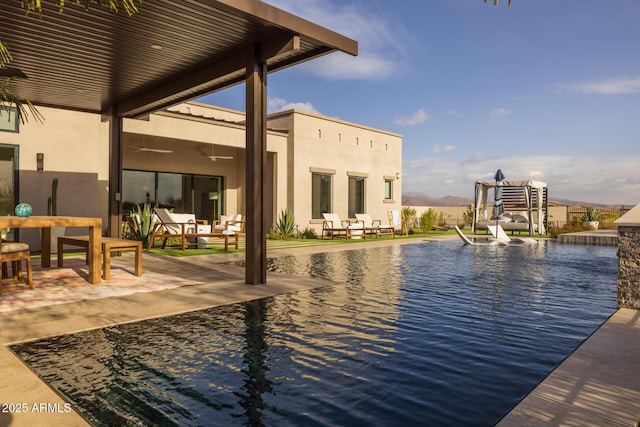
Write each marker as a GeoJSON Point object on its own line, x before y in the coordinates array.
{"type": "Point", "coordinates": [596, 385]}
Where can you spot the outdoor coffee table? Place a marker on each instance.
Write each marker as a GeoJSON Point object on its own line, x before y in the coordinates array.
{"type": "Point", "coordinates": [109, 244]}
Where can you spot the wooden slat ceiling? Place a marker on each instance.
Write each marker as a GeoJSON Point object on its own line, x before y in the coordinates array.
{"type": "Point", "coordinates": [171, 51]}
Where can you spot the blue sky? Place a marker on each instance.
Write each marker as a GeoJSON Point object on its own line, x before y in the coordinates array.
{"type": "Point", "coordinates": [545, 89]}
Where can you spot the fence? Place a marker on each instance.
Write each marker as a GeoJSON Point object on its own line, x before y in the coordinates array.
{"type": "Point", "coordinates": [558, 215]}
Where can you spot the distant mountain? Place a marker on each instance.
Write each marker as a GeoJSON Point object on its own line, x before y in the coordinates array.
{"type": "Point", "coordinates": [419, 199]}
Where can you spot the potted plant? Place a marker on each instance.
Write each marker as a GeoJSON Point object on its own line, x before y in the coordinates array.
{"type": "Point", "coordinates": [591, 218]}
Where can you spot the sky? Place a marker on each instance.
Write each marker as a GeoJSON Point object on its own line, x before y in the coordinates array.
{"type": "Point", "coordinates": [546, 90]}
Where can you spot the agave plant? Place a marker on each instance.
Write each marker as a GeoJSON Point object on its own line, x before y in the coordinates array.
{"type": "Point", "coordinates": [591, 214]}
{"type": "Point", "coordinates": [286, 226]}
{"type": "Point", "coordinates": [141, 224]}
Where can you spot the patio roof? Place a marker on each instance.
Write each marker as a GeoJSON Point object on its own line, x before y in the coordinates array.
{"type": "Point", "coordinates": [169, 52]}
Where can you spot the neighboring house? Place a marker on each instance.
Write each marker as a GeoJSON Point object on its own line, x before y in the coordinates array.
{"type": "Point", "coordinates": [191, 158]}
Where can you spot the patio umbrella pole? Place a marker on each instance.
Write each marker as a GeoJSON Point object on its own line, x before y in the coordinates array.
{"type": "Point", "coordinates": [498, 208]}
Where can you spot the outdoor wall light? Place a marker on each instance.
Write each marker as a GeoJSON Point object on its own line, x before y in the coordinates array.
{"type": "Point", "coordinates": [40, 161]}
{"type": "Point", "coordinates": [397, 175]}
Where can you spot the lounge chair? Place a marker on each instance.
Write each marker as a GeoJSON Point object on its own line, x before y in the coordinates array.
{"type": "Point", "coordinates": [395, 219]}
{"type": "Point", "coordinates": [335, 227]}
{"type": "Point", "coordinates": [186, 228]}
{"type": "Point", "coordinates": [499, 234]}
{"type": "Point", "coordinates": [374, 226]}
{"type": "Point", "coordinates": [228, 223]}
{"type": "Point", "coordinates": [468, 241]}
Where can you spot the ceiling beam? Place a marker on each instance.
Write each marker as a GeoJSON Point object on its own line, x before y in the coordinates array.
{"type": "Point", "coordinates": [208, 79]}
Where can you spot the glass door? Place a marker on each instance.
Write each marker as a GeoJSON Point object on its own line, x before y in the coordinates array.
{"type": "Point", "coordinates": [208, 197]}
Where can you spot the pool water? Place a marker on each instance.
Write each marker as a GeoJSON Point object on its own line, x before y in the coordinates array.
{"type": "Point", "coordinates": [424, 334]}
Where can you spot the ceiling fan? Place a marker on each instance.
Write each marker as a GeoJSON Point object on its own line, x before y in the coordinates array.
{"type": "Point", "coordinates": [214, 157]}
{"type": "Point", "coordinates": [149, 149]}
{"type": "Point", "coordinates": [152, 150]}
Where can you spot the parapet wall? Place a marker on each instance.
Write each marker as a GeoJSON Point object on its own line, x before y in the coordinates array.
{"type": "Point", "coordinates": [629, 259]}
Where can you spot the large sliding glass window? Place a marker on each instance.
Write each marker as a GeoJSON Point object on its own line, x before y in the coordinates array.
{"type": "Point", "coordinates": [320, 195]}
{"type": "Point", "coordinates": [356, 195]}
{"type": "Point", "coordinates": [171, 194]}
{"type": "Point", "coordinates": [199, 194]}
{"type": "Point", "coordinates": [138, 188]}
{"type": "Point", "coordinates": [8, 155]}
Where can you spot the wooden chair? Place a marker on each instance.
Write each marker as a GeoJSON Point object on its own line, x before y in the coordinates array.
{"type": "Point", "coordinates": [16, 252]}
{"type": "Point", "coordinates": [185, 227]}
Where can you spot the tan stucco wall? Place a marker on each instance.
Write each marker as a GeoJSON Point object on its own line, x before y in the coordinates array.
{"type": "Point", "coordinates": [76, 149]}
{"type": "Point", "coordinates": [71, 141]}
{"type": "Point", "coordinates": [323, 143]}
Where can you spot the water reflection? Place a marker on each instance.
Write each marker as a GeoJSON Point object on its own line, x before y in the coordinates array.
{"type": "Point", "coordinates": [256, 382]}
{"type": "Point", "coordinates": [425, 334]}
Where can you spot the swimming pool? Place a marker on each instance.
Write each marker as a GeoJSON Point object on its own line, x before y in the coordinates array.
{"type": "Point", "coordinates": [425, 334]}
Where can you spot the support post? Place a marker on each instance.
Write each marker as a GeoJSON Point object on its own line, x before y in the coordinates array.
{"type": "Point", "coordinates": [256, 175]}
{"type": "Point", "coordinates": [628, 259]}
{"type": "Point", "coordinates": [115, 172]}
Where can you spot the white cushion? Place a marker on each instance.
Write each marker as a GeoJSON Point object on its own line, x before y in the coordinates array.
{"type": "Point", "coordinates": [231, 227]}
{"type": "Point", "coordinates": [520, 217]}
{"type": "Point", "coordinates": [11, 247]}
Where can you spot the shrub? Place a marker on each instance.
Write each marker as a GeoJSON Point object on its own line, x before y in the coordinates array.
{"type": "Point", "coordinates": [468, 215]}
{"type": "Point", "coordinates": [408, 217]}
{"type": "Point", "coordinates": [428, 220]}
{"type": "Point", "coordinates": [308, 233]}
{"type": "Point", "coordinates": [285, 228]}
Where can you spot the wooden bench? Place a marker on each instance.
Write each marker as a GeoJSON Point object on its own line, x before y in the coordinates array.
{"type": "Point", "coordinates": [109, 244]}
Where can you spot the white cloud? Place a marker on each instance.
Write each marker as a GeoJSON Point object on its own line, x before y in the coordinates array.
{"type": "Point", "coordinates": [275, 105]}
{"type": "Point", "coordinates": [499, 113]}
{"type": "Point", "coordinates": [454, 113]}
{"type": "Point", "coordinates": [617, 86]}
{"type": "Point", "coordinates": [477, 158]}
{"type": "Point", "coordinates": [416, 118]}
{"type": "Point", "coordinates": [382, 45]}
{"type": "Point", "coordinates": [587, 179]}
{"type": "Point", "coordinates": [437, 149]}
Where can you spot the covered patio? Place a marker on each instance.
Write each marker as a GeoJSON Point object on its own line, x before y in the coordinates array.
{"type": "Point", "coordinates": [525, 203]}
{"type": "Point", "coordinates": [122, 67]}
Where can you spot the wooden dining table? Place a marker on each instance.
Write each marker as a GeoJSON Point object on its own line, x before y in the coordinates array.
{"type": "Point", "coordinates": [46, 222]}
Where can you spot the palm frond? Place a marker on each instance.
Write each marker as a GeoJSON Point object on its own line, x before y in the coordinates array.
{"type": "Point", "coordinates": [129, 6]}
{"type": "Point", "coordinates": [23, 106]}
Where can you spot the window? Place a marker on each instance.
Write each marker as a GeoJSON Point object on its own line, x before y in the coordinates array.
{"type": "Point", "coordinates": [199, 194]}
{"type": "Point", "coordinates": [356, 195]}
{"type": "Point", "coordinates": [9, 119]}
{"type": "Point", "coordinates": [388, 189]}
{"type": "Point", "coordinates": [8, 180]}
{"type": "Point", "coordinates": [320, 195]}
{"type": "Point", "coordinates": [171, 192]}
{"type": "Point", "coordinates": [138, 187]}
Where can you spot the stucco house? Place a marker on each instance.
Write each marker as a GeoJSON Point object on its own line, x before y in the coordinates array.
{"type": "Point", "coordinates": [191, 158]}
